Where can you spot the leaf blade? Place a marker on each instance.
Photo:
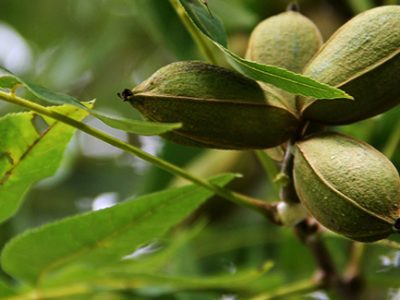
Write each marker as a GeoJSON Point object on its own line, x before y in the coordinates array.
{"type": "Point", "coordinates": [136, 126]}
{"type": "Point", "coordinates": [98, 238]}
{"type": "Point", "coordinates": [27, 156]}
{"type": "Point", "coordinates": [9, 80]}
{"type": "Point", "coordinates": [284, 79]}
{"type": "Point", "coordinates": [205, 21]}
{"type": "Point", "coordinates": [6, 290]}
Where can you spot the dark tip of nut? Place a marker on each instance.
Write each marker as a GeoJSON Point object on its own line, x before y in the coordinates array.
{"type": "Point", "coordinates": [125, 95]}
{"type": "Point", "coordinates": [397, 224]}
{"type": "Point", "coordinates": [293, 6]}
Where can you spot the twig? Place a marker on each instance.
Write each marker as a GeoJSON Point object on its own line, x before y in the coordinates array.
{"type": "Point", "coordinates": [353, 274]}
{"type": "Point", "coordinates": [268, 210]}
{"type": "Point", "coordinates": [348, 288]}
{"type": "Point", "coordinates": [307, 232]}
{"type": "Point", "coordinates": [287, 192]}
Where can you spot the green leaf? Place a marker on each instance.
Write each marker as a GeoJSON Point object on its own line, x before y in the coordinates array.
{"type": "Point", "coordinates": [284, 79]}
{"type": "Point", "coordinates": [136, 126]}
{"type": "Point", "coordinates": [205, 21]}
{"type": "Point", "coordinates": [236, 15]}
{"type": "Point", "coordinates": [50, 97]}
{"type": "Point", "coordinates": [40, 92]}
{"type": "Point", "coordinates": [10, 80]}
{"type": "Point", "coordinates": [27, 155]}
{"type": "Point", "coordinates": [101, 237]}
{"type": "Point", "coordinates": [155, 262]}
{"type": "Point", "coordinates": [156, 259]}
{"type": "Point", "coordinates": [289, 81]}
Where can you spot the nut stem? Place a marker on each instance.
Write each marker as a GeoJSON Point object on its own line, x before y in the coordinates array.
{"type": "Point", "coordinates": [293, 6]}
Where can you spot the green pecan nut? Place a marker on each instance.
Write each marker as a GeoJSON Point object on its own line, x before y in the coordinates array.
{"type": "Point", "coordinates": [288, 40]}
{"type": "Point", "coordinates": [348, 186]}
{"type": "Point", "coordinates": [363, 59]}
{"type": "Point", "coordinates": [218, 108]}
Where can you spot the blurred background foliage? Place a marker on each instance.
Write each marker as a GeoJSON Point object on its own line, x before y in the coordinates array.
{"type": "Point", "coordinates": [94, 49]}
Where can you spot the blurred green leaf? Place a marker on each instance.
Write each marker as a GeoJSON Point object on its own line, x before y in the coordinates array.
{"type": "Point", "coordinates": [115, 278]}
{"type": "Point", "coordinates": [359, 6]}
{"type": "Point", "coordinates": [159, 21]}
{"type": "Point", "coordinates": [234, 282]}
{"type": "Point", "coordinates": [101, 237]}
{"type": "Point", "coordinates": [282, 78]}
{"type": "Point", "coordinates": [28, 155]}
{"type": "Point", "coordinates": [393, 142]}
{"type": "Point", "coordinates": [8, 81]}
{"type": "Point", "coordinates": [236, 15]}
{"type": "Point", "coordinates": [6, 290]}
{"type": "Point", "coordinates": [112, 279]}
